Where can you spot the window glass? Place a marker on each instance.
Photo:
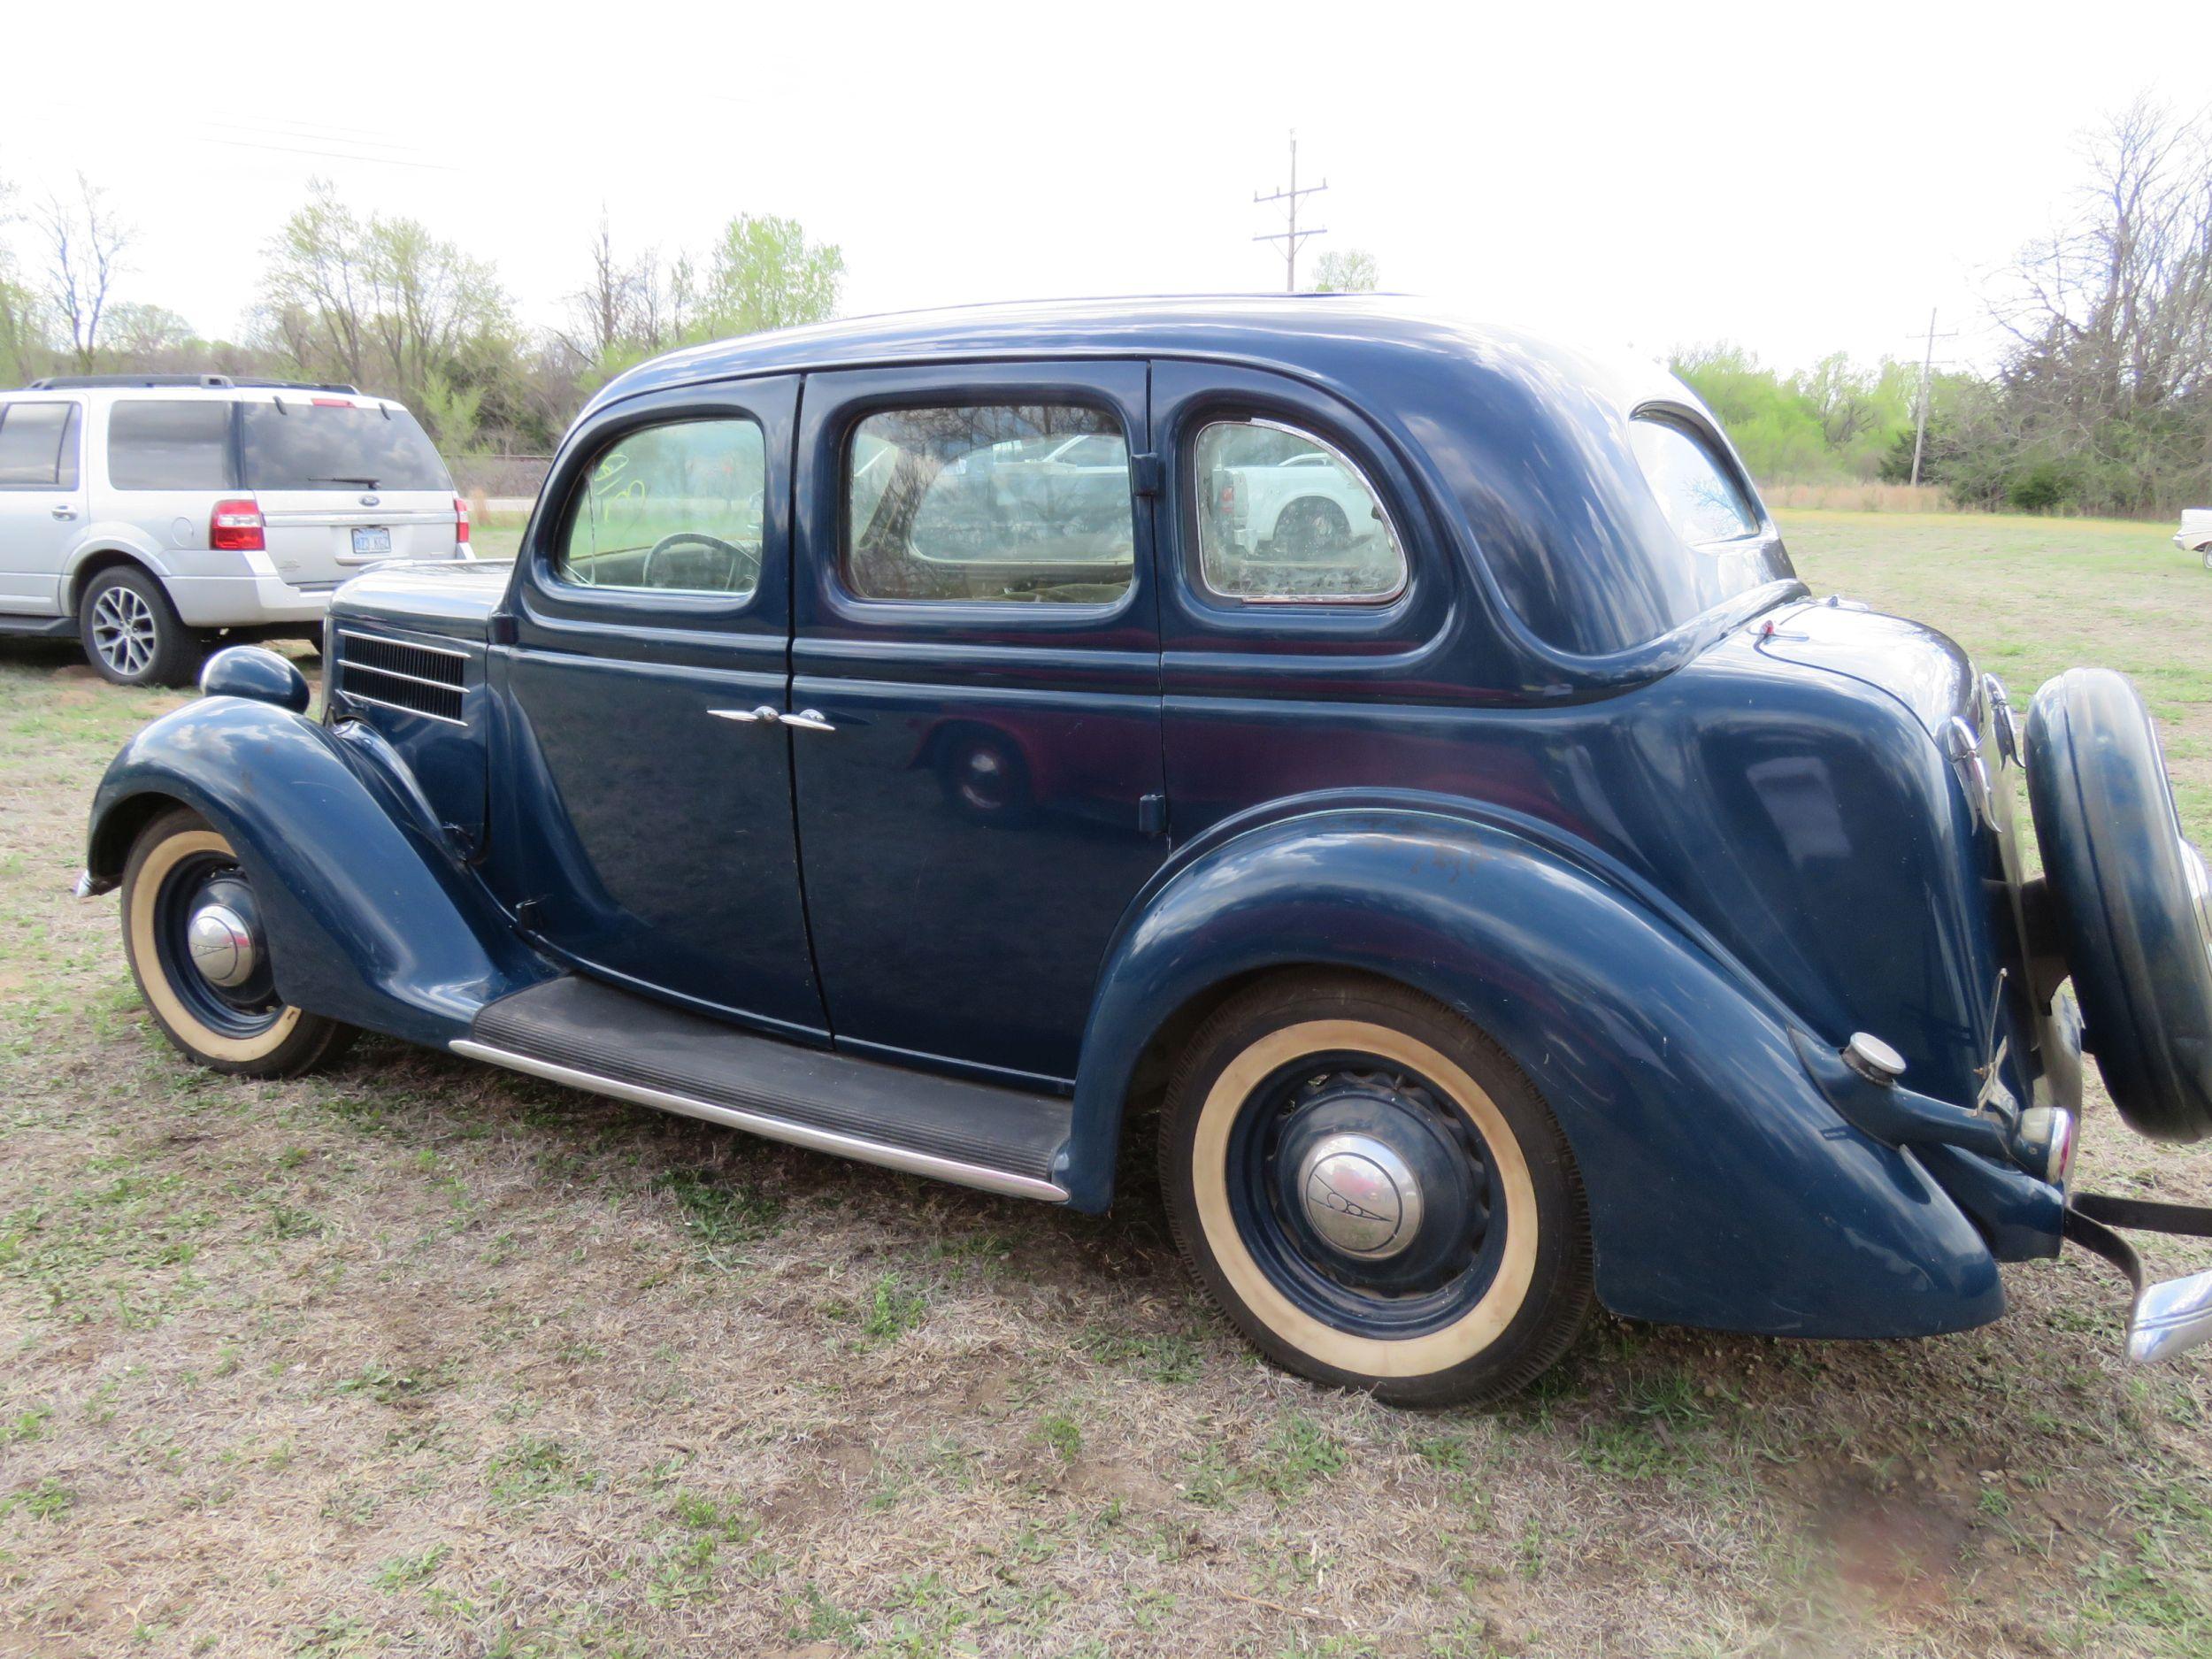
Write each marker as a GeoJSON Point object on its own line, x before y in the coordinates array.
{"type": "Point", "coordinates": [675, 509]}
{"type": "Point", "coordinates": [329, 443]}
{"type": "Point", "coordinates": [170, 444]}
{"type": "Point", "coordinates": [1282, 516]}
{"type": "Point", "coordinates": [1701, 500]}
{"type": "Point", "coordinates": [989, 502]}
{"type": "Point", "coordinates": [31, 436]}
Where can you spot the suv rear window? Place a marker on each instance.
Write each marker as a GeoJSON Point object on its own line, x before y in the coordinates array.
{"type": "Point", "coordinates": [164, 443]}
{"type": "Point", "coordinates": [298, 443]}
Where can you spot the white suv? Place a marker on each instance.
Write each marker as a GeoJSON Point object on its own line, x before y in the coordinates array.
{"type": "Point", "coordinates": [143, 514]}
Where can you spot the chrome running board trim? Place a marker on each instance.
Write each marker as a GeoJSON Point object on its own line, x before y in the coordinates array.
{"type": "Point", "coordinates": [795, 1134]}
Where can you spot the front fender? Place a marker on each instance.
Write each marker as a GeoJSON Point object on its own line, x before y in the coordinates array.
{"type": "Point", "coordinates": [1723, 1190]}
{"type": "Point", "coordinates": [371, 919]}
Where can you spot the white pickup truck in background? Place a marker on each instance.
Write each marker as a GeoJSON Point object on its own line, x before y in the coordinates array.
{"type": "Point", "coordinates": [2195, 535]}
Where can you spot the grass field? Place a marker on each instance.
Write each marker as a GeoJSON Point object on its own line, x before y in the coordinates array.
{"type": "Point", "coordinates": [419, 1358]}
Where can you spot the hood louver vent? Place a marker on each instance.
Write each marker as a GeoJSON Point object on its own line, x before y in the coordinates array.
{"type": "Point", "coordinates": [393, 674]}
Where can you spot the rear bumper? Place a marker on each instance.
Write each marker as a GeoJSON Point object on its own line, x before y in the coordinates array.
{"type": "Point", "coordinates": [229, 602]}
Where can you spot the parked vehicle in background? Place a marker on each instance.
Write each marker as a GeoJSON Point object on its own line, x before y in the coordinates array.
{"type": "Point", "coordinates": [145, 515]}
{"type": "Point", "coordinates": [1527, 894]}
{"type": "Point", "coordinates": [1283, 507]}
{"type": "Point", "coordinates": [2195, 535]}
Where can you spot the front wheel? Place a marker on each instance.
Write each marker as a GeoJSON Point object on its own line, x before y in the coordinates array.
{"type": "Point", "coordinates": [192, 930]}
{"type": "Point", "coordinates": [1374, 1192]}
{"type": "Point", "coordinates": [132, 635]}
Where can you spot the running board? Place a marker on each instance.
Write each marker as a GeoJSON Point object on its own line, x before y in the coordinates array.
{"type": "Point", "coordinates": [17, 625]}
{"type": "Point", "coordinates": [590, 1036]}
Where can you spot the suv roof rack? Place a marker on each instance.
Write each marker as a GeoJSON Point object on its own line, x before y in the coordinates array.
{"type": "Point", "coordinates": [79, 382]}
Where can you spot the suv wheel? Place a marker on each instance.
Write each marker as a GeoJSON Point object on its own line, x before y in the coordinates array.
{"type": "Point", "coordinates": [192, 931]}
{"type": "Point", "coordinates": [131, 632]}
{"type": "Point", "coordinates": [1374, 1192]}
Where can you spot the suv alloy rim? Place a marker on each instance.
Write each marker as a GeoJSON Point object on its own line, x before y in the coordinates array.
{"type": "Point", "coordinates": [123, 630]}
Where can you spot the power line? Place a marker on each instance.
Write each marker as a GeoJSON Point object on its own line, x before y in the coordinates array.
{"type": "Point", "coordinates": [1292, 238]}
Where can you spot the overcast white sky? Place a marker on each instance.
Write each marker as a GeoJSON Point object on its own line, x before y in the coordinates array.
{"type": "Point", "coordinates": [1797, 179]}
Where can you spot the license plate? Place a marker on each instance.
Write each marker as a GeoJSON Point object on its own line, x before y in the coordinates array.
{"type": "Point", "coordinates": [371, 540]}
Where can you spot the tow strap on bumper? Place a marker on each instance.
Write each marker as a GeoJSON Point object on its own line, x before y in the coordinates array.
{"type": "Point", "coordinates": [2168, 1317]}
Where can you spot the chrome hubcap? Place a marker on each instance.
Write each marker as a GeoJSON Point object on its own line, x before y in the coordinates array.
{"type": "Point", "coordinates": [222, 945]}
{"type": "Point", "coordinates": [123, 631]}
{"type": "Point", "coordinates": [1360, 1195]}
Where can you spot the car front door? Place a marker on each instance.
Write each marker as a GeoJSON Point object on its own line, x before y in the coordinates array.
{"type": "Point", "coordinates": [645, 820]}
{"type": "Point", "coordinates": [975, 667]}
{"type": "Point", "coordinates": [42, 501]}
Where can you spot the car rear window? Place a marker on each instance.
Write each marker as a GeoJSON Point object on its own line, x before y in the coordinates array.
{"type": "Point", "coordinates": [170, 443]}
{"type": "Point", "coordinates": [330, 444]}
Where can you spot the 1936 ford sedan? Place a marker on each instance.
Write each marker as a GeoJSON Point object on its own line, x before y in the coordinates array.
{"type": "Point", "coordinates": [1397, 757]}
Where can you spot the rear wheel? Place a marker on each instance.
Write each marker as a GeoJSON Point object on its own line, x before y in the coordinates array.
{"type": "Point", "coordinates": [192, 930]}
{"type": "Point", "coordinates": [131, 632]}
{"type": "Point", "coordinates": [1374, 1194]}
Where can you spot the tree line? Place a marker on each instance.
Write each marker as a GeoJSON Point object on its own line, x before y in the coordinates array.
{"type": "Point", "coordinates": [382, 303]}
{"type": "Point", "coordinates": [2101, 400]}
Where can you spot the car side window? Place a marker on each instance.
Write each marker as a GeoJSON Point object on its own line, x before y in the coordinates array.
{"type": "Point", "coordinates": [164, 443]}
{"type": "Point", "coordinates": [989, 502]}
{"type": "Point", "coordinates": [1701, 500]}
{"type": "Point", "coordinates": [676, 508]}
{"type": "Point", "coordinates": [1283, 516]}
{"type": "Point", "coordinates": [38, 446]}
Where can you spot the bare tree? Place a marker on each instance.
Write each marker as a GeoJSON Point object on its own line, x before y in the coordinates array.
{"type": "Point", "coordinates": [2106, 394]}
{"type": "Point", "coordinates": [86, 243]}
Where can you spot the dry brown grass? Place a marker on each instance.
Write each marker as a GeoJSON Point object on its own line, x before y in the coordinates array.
{"type": "Point", "coordinates": [421, 1358]}
{"type": "Point", "coordinates": [1867, 497]}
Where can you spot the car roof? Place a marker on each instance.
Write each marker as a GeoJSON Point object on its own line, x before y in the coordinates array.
{"type": "Point", "coordinates": [1319, 335]}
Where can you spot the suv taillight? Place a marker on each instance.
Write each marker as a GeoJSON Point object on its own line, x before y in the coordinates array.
{"type": "Point", "coordinates": [235, 526]}
{"type": "Point", "coordinates": [460, 522]}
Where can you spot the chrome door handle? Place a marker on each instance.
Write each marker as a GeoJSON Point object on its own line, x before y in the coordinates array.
{"type": "Point", "coordinates": [64, 513]}
{"type": "Point", "coordinates": [807, 720]}
{"type": "Point", "coordinates": [764, 712]}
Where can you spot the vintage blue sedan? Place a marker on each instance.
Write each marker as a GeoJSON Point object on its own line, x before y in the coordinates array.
{"type": "Point", "coordinates": [1391, 761]}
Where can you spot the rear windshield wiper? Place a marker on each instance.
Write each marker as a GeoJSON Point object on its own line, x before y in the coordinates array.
{"type": "Point", "coordinates": [365, 483]}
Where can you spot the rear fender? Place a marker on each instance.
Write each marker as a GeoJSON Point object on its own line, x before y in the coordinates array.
{"type": "Point", "coordinates": [371, 919]}
{"type": "Point", "coordinates": [1723, 1190]}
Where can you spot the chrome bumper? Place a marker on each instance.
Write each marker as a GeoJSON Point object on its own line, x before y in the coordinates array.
{"type": "Point", "coordinates": [2172, 1316]}
{"type": "Point", "coordinates": [90, 886]}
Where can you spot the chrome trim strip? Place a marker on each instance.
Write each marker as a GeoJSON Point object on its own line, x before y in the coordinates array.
{"type": "Point", "coordinates": [351, 666]}
{"type": "Point", "coordinates": [386, 639]}
{"type": "Point", "coordinates": [772, 1128]}
{"type": "Point", "coordinates": [350, 696]}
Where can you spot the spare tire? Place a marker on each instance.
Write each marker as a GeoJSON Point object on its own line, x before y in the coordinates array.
{"type": "Point", "coordinates": [2129, 896]}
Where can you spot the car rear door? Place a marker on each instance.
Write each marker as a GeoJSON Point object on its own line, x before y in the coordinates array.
{"type": "Point", "coordinates": [975, 688]}
{"type": "Point", "coordinates": [343, 482]}
{"type": "Point", "coordinates": [41, 500]}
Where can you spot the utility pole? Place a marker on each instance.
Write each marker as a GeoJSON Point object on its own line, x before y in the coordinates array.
{"type": "Point", "coordinates": [1920, 426]}
{"type": "Point", "coordinates": [1927, 370]}
{"type": "Point", "coordinates": [1293, 237]}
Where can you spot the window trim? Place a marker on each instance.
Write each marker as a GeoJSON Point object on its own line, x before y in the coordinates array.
{"type": "Point", "coordinates": [722, 601]}
{"type": "Point", "coordinates": [994, 610]}
{"type": "Point", "coordinates": [1206, 422]}
{"type": "Point", "coordinates": [69, 428]}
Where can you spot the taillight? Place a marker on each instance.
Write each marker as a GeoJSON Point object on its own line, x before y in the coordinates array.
{"type": "Point", "coordinates": [460, 522]}
{"type": "Point", "coordinates": [235, 526]}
